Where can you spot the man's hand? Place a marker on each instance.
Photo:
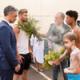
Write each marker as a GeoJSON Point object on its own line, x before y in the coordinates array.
{"type": "Point", "coordinates": [69, 70]}
{"type": "Point", "coordinates": [20, 58]}
{"type": "Point", "coordinates": [56, 62]}
{"type": "Point", "coordinates": [50, 62]}
{"type": "Point", "coordinates": [17, 68]}
{"type": "Point", "coordinates": [66, 70]}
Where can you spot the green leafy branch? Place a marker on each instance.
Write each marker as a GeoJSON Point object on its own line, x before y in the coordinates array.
{"type": "Point", "coordinates": [29, 26]}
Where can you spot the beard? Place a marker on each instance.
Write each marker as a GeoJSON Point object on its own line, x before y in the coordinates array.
{"type": "Point", "coordinates": [12, 21]}
{"type": "Point", "coordinates": [24, 20]}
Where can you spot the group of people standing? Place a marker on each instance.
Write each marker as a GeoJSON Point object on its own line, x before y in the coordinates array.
{"type": "Point", "coordinates": [60, 34]}
{"type": "Point", "coordinates": [16, 47]}
{"type": "Point", "coordinates": [15, 55]}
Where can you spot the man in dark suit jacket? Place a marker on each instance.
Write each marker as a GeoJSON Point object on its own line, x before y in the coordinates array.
{"type": "Point", "coordinates": [8, 61]}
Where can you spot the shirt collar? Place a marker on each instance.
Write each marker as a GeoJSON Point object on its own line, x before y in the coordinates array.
{"type": "Point", "coordinates": [7, 22]}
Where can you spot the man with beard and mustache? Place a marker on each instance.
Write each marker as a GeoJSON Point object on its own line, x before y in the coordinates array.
{"type": "Point", "coordinates": [55, 41]}
{"type": "Point", "coordinates": [71, 19]}
{"type": "Point", "coordinates": [23, 53]}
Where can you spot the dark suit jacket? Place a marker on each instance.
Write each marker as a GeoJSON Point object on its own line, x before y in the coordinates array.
{"type": "Point", "coordinates": [7, 47]}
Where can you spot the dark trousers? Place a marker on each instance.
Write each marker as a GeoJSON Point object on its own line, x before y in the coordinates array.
{"type": "Point", "coordinates": [6, 74]}
{"type": "Point", "coordinates": [56, 69]}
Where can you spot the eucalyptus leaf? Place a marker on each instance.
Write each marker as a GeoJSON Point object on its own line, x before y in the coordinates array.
{"type": "Point", "coordinates": [29, 26]}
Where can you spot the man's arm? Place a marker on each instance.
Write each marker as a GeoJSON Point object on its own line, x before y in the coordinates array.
{"type": "Point", "coordinates": [6, 46]}
{"type": "Point", "coordinates": [17, 31]}
{"type": "Point", "coordinates": [61, 58]}
{"type": "Point", "coordinates": [53, 34]}
{"type": "Point", "coordinates": [63, 55]}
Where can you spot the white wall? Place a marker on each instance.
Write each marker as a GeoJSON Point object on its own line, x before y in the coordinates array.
{"type": "Point", "coordinates": [42, 10]}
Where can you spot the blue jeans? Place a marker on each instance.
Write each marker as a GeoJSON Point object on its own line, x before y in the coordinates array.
{"type": "Point", "coordinates": [56, 69]}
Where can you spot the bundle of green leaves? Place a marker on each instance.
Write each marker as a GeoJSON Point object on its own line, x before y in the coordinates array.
{"type": "Point", "coordinates": [29, 26]}
{"type": "Point", "coordinates": [51, 56]}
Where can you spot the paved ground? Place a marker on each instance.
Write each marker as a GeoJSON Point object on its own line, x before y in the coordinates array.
{"type": "Point", "coordinates": [45, 75]}
{"type": "Point", "coordinates": [35, 76]}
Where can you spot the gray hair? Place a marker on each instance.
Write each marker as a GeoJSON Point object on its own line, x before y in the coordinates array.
{"type": "Point", "coordinates": [62, 15]}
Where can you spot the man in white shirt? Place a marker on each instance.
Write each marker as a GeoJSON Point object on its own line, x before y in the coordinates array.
{"type": "Point", "coordinates": [24, 56]}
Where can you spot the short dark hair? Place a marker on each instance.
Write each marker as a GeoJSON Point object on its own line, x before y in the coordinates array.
{"type": "Point", "coordinates": [21, 11]}
{"type": "Point", "coordinates": [73, 14]}
{"type": "Point", "coordinates": [71, 36]}
{"type": "Point", "coordinates": [9, 9]}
